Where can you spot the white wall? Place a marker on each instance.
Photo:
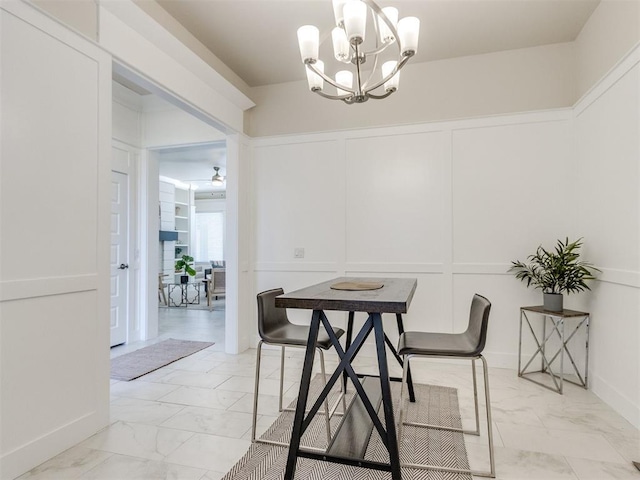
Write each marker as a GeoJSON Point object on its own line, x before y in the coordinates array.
{"type": "Point", "coordinates": [210, 205]}
{"type": "Point", "coordinates": [166, 125]}
{"type": "Point", "coordinates": [453, 203]}
{"type": "Point", "coordinates": [612, 30]}
{"type": "Point", "coordinates": [607, 186]}
{"type": "Point", "coordinates": [54, 251]}
{"type": "Point", "coordinates": [449, 203]}
{"type": "Point", "coordinates": [496, 83]}
{"type": "Point", "coordinates": [126, 120]}
{"type": "Point", "coordinates": [81, 15]}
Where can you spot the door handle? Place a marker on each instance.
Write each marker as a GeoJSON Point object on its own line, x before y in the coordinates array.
{"type": "Point", "coordinates": [123, 266]}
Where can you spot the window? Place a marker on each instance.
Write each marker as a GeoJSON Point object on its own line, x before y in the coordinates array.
{"type": "Point", "coordinates": [209, 241]}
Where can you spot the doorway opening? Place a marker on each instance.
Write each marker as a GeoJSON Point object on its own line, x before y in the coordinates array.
{"type": "Point", "coordinates": [192, 279]}
{"type": "Point", "coordinates": [174, 145]}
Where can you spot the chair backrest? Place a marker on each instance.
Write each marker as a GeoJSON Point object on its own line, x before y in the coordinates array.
{"type": "Point", "coordinates": [270, 318]}
{"type": "Point", "coordinates": [478, 322]}
{"type": "Point", "coordinates": [219, 280]}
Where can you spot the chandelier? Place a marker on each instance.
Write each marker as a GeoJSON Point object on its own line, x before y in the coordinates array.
{"type": "Point", "coordinates": [349, 47]}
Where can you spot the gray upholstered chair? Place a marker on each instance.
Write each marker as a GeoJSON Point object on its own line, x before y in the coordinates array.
{"type": "Point", "coordinates": [214, 284]}
{"type": "Point", "coordinates": [467, 345]}
{"type": "Point", "coordinates": [275, 328]}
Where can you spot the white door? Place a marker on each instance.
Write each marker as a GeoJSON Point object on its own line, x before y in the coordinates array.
{"type": "Point", "coordinates": [119, 257]}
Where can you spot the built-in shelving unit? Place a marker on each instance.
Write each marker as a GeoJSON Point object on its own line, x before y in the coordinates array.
{"type": "Point", "coordinates": [183, 203]}
{"type": "Point", "coordinates": [177, 209]}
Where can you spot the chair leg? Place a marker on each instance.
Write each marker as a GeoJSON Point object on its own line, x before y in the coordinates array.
{"type": "Point", "coordinates": [475, 397]}
{"type": "Point", "coordinates": [255, 393]}
{"type": "Point", "coordinates": [492, 462]}
{"type": "Point", "coordinates": [255, 400]}
{"type": "Point", "coordinates": [281, 379]}
{"type": "Point", "coordinates": [255, 405]}
{"type": "Point", "coordinates": [327, 417]}
{"type": "Point", "coordinates": [492, 468]}
{"type": "Point", "coordinates": [162, 296]}
{"type": "Point", "coordinates": [405, 372]}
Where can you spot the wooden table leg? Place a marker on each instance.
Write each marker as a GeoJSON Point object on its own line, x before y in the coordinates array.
{"type": "Point", "coordinates": [348, 344]}
{"type": "Point", "coordinates": [301, 405]}
{"type": "Point", "coordinates": [387, 400]}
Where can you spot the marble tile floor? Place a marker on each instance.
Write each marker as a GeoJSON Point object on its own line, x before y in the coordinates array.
{"type": "Point", "coordinates": [192, 419]}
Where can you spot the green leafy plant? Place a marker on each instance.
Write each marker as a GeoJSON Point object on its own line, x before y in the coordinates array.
{"type": "Point", "coordinates": [185, 264]}
{"type": "Point", "coordinates": [556, 271]}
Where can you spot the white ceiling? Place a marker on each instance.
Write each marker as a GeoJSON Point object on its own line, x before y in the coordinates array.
{"type": "Point", "coordinates": [257, 38]}
{"type": "Point", "coordinates": [194, 164]}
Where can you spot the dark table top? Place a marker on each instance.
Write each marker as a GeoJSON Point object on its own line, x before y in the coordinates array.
{"type": "Point", "coordinates": [394, 297]}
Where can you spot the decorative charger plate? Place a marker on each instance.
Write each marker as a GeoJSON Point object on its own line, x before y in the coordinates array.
{"type": "Point", "coordinates": [357, 286]}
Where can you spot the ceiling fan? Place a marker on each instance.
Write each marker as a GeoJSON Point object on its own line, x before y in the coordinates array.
{"type": "Point", "coordinates": [217, 180]}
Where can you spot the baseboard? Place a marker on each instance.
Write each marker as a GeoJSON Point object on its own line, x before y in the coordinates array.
{"type": "Point", "coordinates": [619, 402]}
{"type": "Point", "coordinates": [32, 454]}
{"type": "Point", "coordinates": [502, 360]}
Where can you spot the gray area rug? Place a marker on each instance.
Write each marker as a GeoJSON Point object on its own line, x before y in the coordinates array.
{"type": "Point", "coordinates": [145, 360]}
{"type": "Point", "coordinates": [434, 404]}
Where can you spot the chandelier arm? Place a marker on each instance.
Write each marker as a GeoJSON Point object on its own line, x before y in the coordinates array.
{"type": "Point", "coordinates": [332, 97]}
{"type": "Point", "coordinates": [375, 55]}
{"type": "Point", "coordinates": [397, 68]}
{"type": "Point", "coordinates": [378, 50]}
{"type": "Point", "coordinates": [365, 87]}
{"type": "Point", "coordinates": [328, 79]}
{"type": "Point", "coordinates": [380, 97]}
{"type": "Point", "coordinates": [380, 14]}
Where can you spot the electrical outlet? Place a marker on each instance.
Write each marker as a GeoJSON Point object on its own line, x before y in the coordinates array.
{"type": "Point", "coordinates": [298, 252]}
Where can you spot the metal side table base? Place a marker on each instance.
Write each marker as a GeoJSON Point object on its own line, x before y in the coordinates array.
{"type": "Point", "coordinates": [557, 322]}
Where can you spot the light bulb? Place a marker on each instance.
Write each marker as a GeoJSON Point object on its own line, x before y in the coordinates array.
{"type": "Point", "coordinates": [309, 42]}
{"type": "Point", "coordinates": [316, 82]}
{"type": "Point", "coordinates": [338, 6]}
{"type": "Point", "coordinates": [386, 36]}
{"type": "Point", "coordinates": [394, 82]}
{"type": "Point", "coordinates": [344, 78]}
{"type": "Point", "coordinates": [355, 20]}
{"type": "Point", "coordinates": [341, 47]}
{"type": "Point", "coordinates": [408, 31]}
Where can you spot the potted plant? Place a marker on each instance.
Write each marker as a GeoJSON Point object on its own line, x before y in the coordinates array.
{"type": "Point", "coordinates": [555, 271]}
{"type": "Point", "coordinates": [184, 263]}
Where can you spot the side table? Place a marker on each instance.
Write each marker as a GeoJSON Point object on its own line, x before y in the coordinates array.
{"type": "Point", "coordinates": [556, 321]}
{"type": "Point", "coordinates": [185, 299]}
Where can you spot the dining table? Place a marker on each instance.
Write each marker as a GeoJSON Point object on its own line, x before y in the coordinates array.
{"type": "Point", "coordinates": [374, 297]}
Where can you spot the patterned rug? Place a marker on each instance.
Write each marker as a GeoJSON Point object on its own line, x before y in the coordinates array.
{"type": "Point", "coordinates": [434, 404]}
{"type": "Point", "coordinates": [145, 360]}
